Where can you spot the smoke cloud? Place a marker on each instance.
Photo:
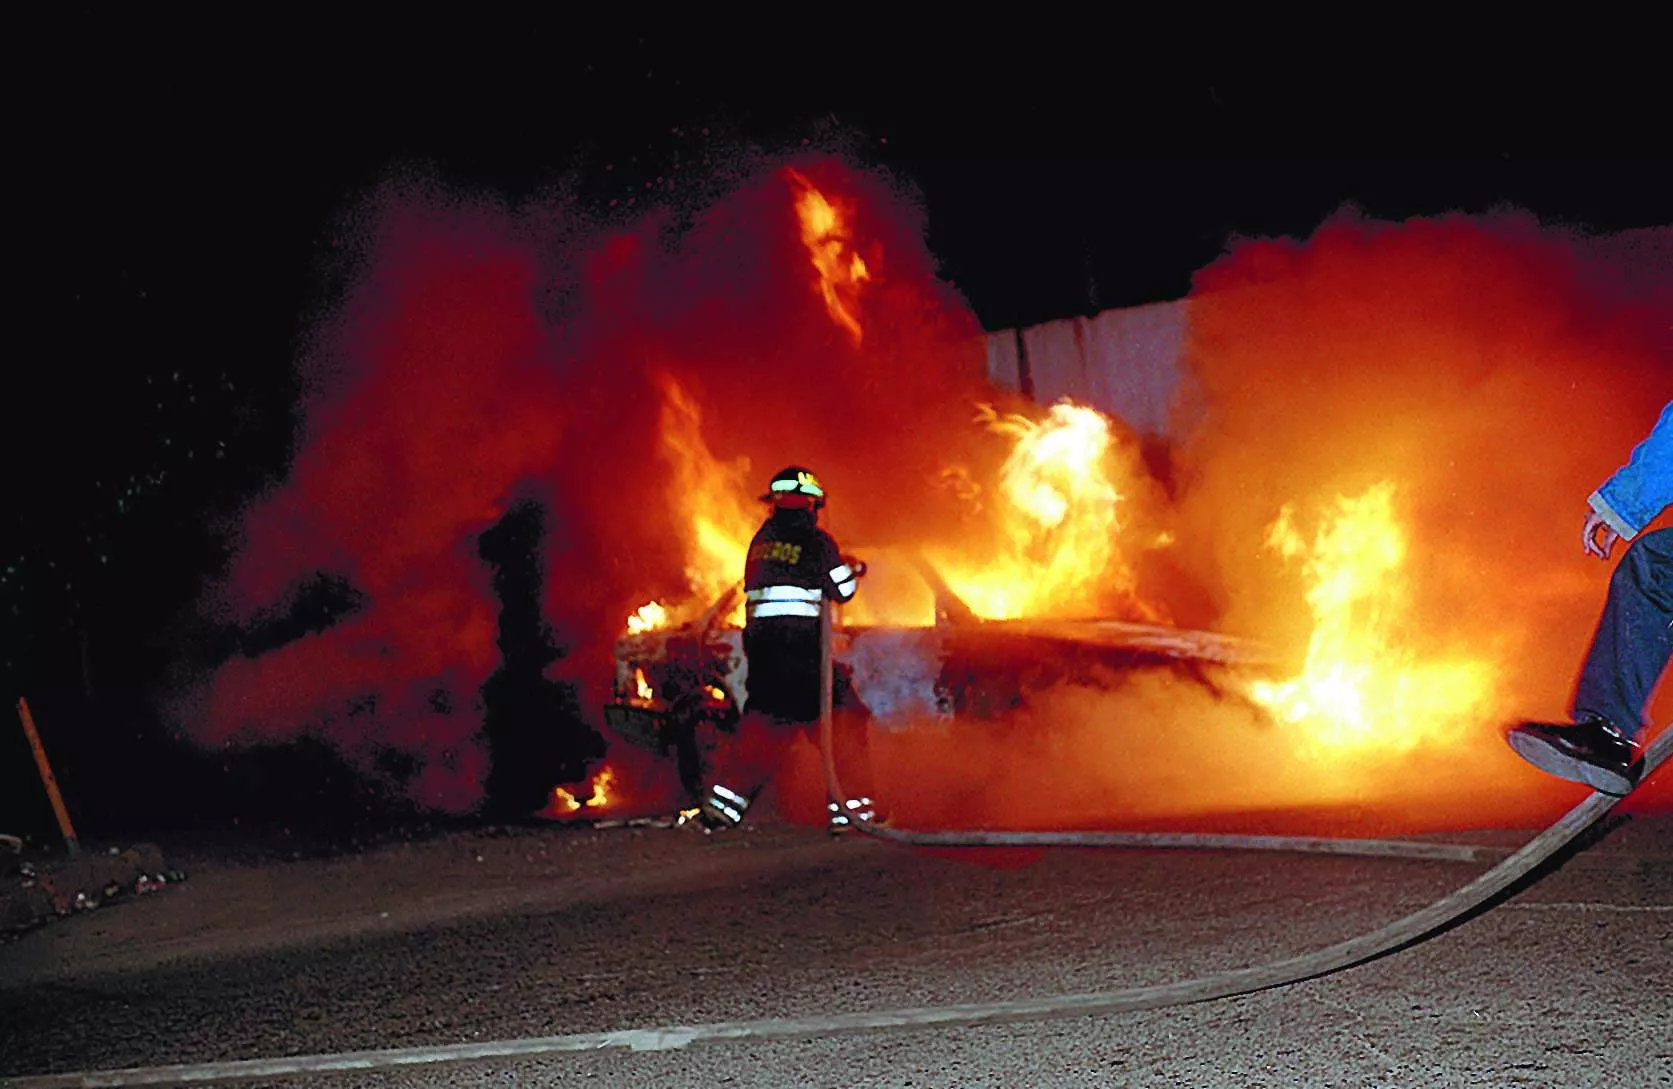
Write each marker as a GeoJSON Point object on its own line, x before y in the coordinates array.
{"type": "Point", "coordinates": [484, 355]}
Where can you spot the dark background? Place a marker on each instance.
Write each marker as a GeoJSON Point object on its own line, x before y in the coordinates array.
{"type": "Point", "coordinates": [181, 178]}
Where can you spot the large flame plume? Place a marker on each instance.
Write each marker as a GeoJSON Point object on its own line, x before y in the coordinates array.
{"type": "Point", "coordinates": [1043, 537]}
{"type": "Point", "coordinates": [711, 511]}
{"type": "Point", "coordinates": [1059, 519]}
{"type": "Point", "coordinates": [1362, 686]}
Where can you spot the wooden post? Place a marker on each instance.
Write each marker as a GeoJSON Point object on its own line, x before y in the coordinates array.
{"type": "Point", "coordinates": [47, 779]}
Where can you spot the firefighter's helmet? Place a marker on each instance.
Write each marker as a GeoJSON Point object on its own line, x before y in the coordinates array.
{"type": "Point", "coordinates": [794, 484]}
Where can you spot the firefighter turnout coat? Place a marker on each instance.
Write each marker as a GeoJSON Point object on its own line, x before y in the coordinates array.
{"type": "Point", "coordinates": [792, 565]}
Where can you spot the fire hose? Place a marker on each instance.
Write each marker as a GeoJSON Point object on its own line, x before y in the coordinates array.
{"type": "Point", "coordinates": [1397, 935]}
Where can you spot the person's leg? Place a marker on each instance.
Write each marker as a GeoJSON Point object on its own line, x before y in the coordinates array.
{"type": "Point", "coordinates": [1634, 637]}
{"type": "Point", "coordinates": [1628, 654]}
{"type": "Point", "coordinates": [743, 765]}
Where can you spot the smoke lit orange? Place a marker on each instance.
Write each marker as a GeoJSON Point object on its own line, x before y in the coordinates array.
{"type": "Point", "coordinates": [640, 386]}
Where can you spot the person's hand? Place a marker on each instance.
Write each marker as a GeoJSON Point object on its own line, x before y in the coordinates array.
{"type": "Point", "coordinates": [854, 565]}
{"type": "Point", "coordinates": [1596, 544]}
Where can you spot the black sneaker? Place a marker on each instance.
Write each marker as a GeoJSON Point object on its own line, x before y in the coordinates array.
{"type": "Point", "coordinates": [1591, 752]}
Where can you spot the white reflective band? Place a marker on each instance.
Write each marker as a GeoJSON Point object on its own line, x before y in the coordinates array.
{"type": "Point", "coordinates": [803, 484]}
{"type": "Point", "coordinates": [782, 593]}
{"type": "Point", "coordinates": [841, 573]}
{"type": "Point", "coordinates": [785, 608]}
{"type": "Point", "coordinates": [728, 812]}
{"type": "Point", "coordinates": [846, 589]}
{"type": "Point", "coordinates": [732, 796]}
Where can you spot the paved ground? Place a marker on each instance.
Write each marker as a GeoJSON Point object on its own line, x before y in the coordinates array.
{"type": "Point", "coordinates": [559, 930]}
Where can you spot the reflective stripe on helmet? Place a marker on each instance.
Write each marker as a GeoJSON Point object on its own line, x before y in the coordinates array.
{"type": "Point", "coordinates": [803, 483]}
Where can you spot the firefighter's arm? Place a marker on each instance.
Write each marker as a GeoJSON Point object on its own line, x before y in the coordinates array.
{"type": "Point", "coordinates": [842, 579]}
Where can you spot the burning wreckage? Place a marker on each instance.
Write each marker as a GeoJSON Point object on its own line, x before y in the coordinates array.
{"type": "Point", "coordinates": [1034, 583]}
{"type": "Point", "coordinates": [679, 690]}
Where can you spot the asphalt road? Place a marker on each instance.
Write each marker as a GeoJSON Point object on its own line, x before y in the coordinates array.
{"type": "Point", "coordinates": [560, 930]}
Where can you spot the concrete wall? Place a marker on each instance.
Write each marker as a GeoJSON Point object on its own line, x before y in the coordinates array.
{"type": "Point", "coordinates": [1126, 363]}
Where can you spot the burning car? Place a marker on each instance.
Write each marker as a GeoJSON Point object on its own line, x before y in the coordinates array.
{"type": "Point", "coordinates": [909, 653]}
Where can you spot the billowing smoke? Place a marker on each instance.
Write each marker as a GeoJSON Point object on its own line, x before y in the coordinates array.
{"type": "Point", "coordinates": [497, 380]}
{"type": "Point", "coordinates": [1445, 394]}
{"type": "Point", "coordinates": [486, 359]}
{"type": "Point", "coordinates": [1489, 373]}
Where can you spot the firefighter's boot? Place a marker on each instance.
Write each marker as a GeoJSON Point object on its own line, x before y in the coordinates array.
{"type": "Point", "coordinates": [843, 818]}
{"type": "Point", "coordinates": [723, 807]}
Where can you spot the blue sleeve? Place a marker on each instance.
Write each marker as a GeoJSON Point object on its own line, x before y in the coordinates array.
{"type": "Point", "coordinates": [1643, 487]}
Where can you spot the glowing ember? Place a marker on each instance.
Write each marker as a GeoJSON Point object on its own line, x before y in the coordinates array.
{"type": "Point", "coordinates": [649, 617]}
{"type": "Point", "coordinates": [1362, 686]}
{"type": "Point", "coordinates": [1058, 518]}
{"type": "Point", "coordinates": [717, 692]}
{"type": "Point", "coordinates": [825, 233]}
{"type": "Point", "coordinates": [598, 796]}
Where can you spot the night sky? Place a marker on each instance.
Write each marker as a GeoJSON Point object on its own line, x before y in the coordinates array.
{"type": "Point", "coordinates": [186, 180]}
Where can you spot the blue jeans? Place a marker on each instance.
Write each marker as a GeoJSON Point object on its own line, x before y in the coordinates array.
{"type": "Point", "coordinates": [1634, 637]}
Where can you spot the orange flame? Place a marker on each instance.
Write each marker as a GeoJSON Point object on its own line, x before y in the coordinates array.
{"type": "Point", "coordinates": [1058, 516]}
{"type": "Point", "coordinates": [710, 501]}
{"type": "Point", "coordinates": [711, 497]}
{"type": "Point", "coordinates": [1362, 688]}
{"type": "Point", "coordinates": [641, 686]}
{"type": "Point", "coordinates": [602, 782]}
{"type": "Point", "coordinates": [598, 793]}
{"type": "Point", "coordinates": [649, 617]}
{"type": "Point", "coordinates": [825, 233]}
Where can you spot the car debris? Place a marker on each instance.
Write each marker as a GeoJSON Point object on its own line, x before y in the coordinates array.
{"type": "Point", "coordinates": [36, 891]}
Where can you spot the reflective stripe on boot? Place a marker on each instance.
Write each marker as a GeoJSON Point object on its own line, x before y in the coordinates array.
{"type": "Point", "coordinates": [724, 807]}
{"type": "Point", "coordinates": [859, 809]}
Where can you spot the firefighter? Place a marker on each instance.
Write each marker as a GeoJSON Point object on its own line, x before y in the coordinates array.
{"type": "Point", "coordinates": [792, 568]}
